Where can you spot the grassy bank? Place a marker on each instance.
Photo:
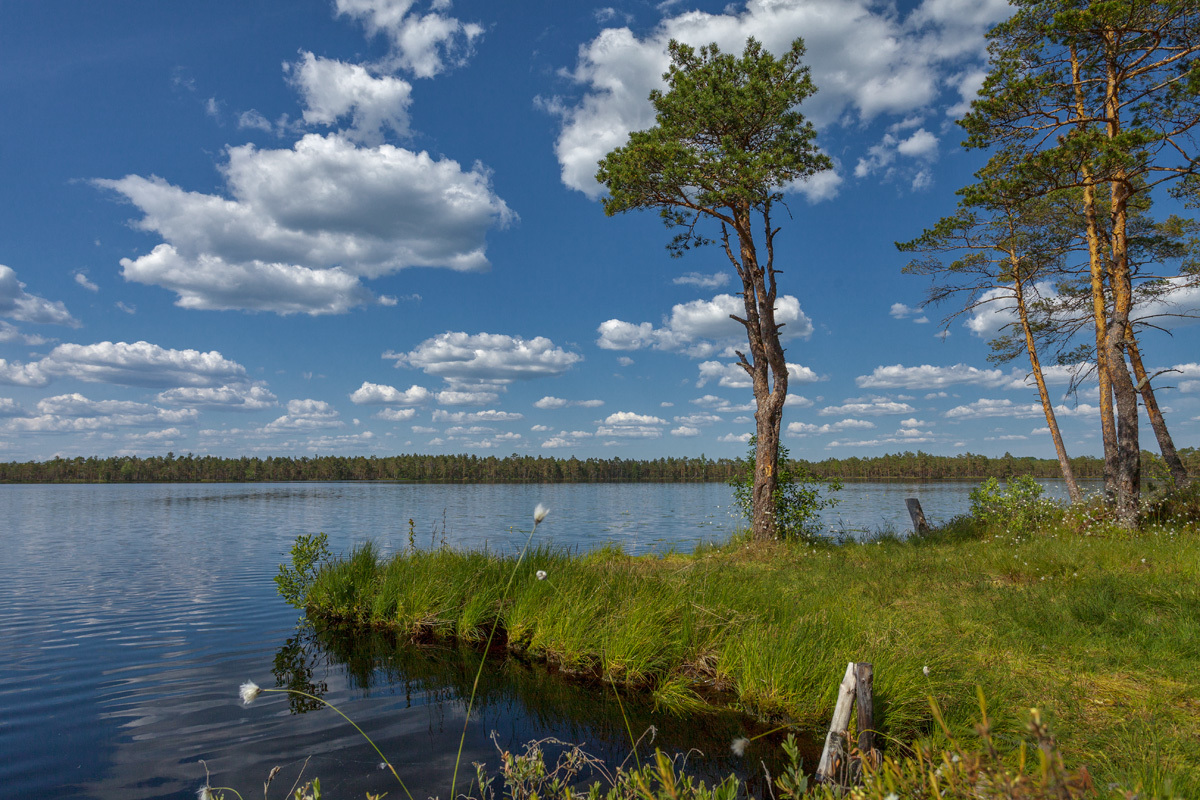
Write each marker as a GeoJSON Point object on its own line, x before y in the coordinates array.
{"type": "Point", "coordinates": [1098, 629]}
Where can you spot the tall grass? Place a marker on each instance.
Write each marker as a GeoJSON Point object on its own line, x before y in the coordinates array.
{"type": "Point", "coordinates": [1099, 629]}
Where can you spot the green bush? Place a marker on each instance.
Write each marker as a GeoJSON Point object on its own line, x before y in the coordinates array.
{"type": "Point", "coordinates": [1018, 507]}
{"type": "Point", "coordinates": [308, 554]}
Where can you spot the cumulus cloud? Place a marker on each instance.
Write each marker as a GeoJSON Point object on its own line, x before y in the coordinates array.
{"type": "Point", "coordinates": [301, 227]}
{"type": "Point", "coordinates": [235, 397]}
{"type": "Point", "coordinates": [495, 358]}
{"type": "Point", "coordinates": [380, 394]}
{"type": "Point", "coordinates": [685, 431]}
{"type": "Point", "coordinates": [702, 328]}
{"type": "Point", "coordinates": [867, 60]}
{"type": "Point", "coordinates": [71, 413]}
{"type": "Point", "coordinates": [81, 279]}
{"type": "Point", "coordinates": [721, 405]}
{"type": "Point", "coordinates": [988, 407]}
{"type": "Point", "coordinates": [334, 90]}
{"type": "Point", "coordinates": [425, 44]}
{"type": "Point", "coordinates": [10, 407]}
{"type": "Point", "coordinates": [872, 406]}
{"type": "Point", "coordinates": [17, 374]}
{"type": "Point", "coordinates": [807, 428]}
{"type": "Point", "coordinates": [400, 415]}
{"type": "Point", "coordinates": [735, 377]}
{"type": "Point", "coordinates": [731, 438]}
{"type": "Point", "coordinates": [451, 397]}
{"type": "Point", "coordinates": [703, 280]}
{"type": "Point", "coordinates": [305, 415]}
{"type": "Point", "coordinates": [489, 415]}
{"type": "Point", "coordinates": [928, 377]}
{"type": "Point", "coordinates": [629, 425]}
{"type": "Point", "coordinates": [18, 304]}
{"type": "Point", "coordinates": [550, 402]}
{"type": "Point", "coordinates": [139, 364]}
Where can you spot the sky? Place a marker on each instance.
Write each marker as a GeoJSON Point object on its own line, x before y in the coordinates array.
{"type": "Point", "coordinates": [370, 227]}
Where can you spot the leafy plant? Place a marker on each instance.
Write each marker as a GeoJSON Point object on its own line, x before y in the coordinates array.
{"type": "Point", "coordinates": [1019, 506]}
{"type": "Point", "coordinates": [799, 495]}
{"type": "Point", "coordinates": [308, 554]}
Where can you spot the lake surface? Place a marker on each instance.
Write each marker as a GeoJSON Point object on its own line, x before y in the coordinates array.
{"type": "Point", "coordinates": [130, 614]}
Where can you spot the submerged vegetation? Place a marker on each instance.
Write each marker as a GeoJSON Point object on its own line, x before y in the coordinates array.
{"type": "Point", "coordinates": [1037, 606]}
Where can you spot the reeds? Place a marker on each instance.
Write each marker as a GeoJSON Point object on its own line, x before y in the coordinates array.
{"type": "Point", "coordinates": [1100, 629]}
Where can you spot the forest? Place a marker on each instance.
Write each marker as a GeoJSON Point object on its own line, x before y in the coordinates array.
{"type": "Point", "coordinates": [539, 469]}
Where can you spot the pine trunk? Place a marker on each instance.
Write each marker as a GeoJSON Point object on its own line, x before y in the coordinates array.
{"type": "Point", "coordinates": [1165, 443]}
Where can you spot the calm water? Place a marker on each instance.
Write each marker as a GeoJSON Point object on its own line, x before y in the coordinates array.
{"type": "Point", "coordinates": [130, 614]}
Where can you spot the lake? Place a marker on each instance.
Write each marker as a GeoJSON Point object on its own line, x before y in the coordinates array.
{"type": "Point", "coordinates": [129, 615]}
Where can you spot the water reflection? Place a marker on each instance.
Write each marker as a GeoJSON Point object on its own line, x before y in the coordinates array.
{"type": "Point", "coordinates": [518, 701]}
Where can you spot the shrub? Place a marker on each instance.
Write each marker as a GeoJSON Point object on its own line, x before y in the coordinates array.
{"type": "Point", "coordinates": [308, 554]}
{"type": "Point", "coordinates": [1018, 507]}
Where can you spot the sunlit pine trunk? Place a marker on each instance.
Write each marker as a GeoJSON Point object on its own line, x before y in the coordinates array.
{"type": "Point", "coordinates": [1035, 365]}
{"type": "Point", "coordinates": [768, 371]}
{"type": "Point", "coordinates": [1129, 455]}
{"type": "Point", "coordinates": [1096, 262]}
{"type": "Point", "coordinates": [1165, 443]}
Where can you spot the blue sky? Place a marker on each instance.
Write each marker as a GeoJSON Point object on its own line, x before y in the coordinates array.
{"type": "Point", "coordinates": [370, 227]}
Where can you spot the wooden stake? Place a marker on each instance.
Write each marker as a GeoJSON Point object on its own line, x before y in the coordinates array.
{"type": "Point", "coordinates": [864, 702]}
{"type": "Point", "coordinates": [918, 516]}
{"type": "Point", "coordinates": [833, 756]}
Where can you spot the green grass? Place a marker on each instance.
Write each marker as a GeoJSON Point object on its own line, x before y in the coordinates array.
{"type": "Point", "coordinates": [1099, 630]}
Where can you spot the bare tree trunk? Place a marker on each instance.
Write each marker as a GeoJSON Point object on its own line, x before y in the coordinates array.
{"type": "Point", "coordinates": [1035, 365]}
{"type": "Point", "coordinates": [1165, 443]}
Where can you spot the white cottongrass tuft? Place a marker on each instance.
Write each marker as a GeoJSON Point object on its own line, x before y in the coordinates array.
{"type": "Point", "coordinates": [739, 745]}
{"type": "Point", "coordinates": [248, 691]}
{"type": "Point", "coordinates": [203, 793]}
{"type": "Point", "coordinates": [541, 574]}
{"type": "Point", "coordinates": [540, 513]}
{"type": "Point", "coordinates": [926, 671]}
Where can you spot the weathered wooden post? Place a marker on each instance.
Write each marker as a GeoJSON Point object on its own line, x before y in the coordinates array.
{"type": "Point", "coordinates": [832, 757]}
{"type": "Point", "coordinates": [864, 701]}
{"type": "Point", "coordinates": [918, 516]}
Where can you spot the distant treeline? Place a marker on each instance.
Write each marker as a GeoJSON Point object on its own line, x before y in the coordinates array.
{"type": "Point", "coordinates": [529, 469]}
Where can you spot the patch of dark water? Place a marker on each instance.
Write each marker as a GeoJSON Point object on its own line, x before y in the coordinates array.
{"type": "Point", "coordinates": [518, 701]}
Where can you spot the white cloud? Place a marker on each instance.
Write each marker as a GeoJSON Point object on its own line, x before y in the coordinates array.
{"type": "Point", "coordinates": [928, 377]}
{"type": "Point", "coordinates": [694, 420]}
{"type": "Point", "coordinates": [10, 407]}
{"type": "Point", "coordinates": [807, 428]}
{"type": "Point", "coordinates": [629, 425]}
{"type": "Point", "coordinates": [231, 397]}
{"type": "Point", "coordinates": [18, 374]}
{"type": "Point", "coordinates": [425, 44]}
{"type": "Point", "coordinates": [497, 358]}
{"type": "Point", "coordinates": [730, 438]}
{"type": "Point", "coordinates": [140, 364]}
{"type": "Point", "coordinates": [304, 415]}
{"type": "Point", "coordinates": [685, 431]}
{"type": "Point", "coordinates": [625, 361]}
{"type": "Point", "coordinates": [988, 407]}
{"type": "Point", "coordinates": [18, 304]}
{"type": "Point", "coordinates": [74, 412]}
{"type": "Point", "coordinates": [866, 59]}
{"type": "Point", "coordinates": [303, 225]}
{"type": "Point", "coordinates": [873, 406]}
{"type": "Point", "coordinates": [703, 280]}
{"type": "Point", "coordinates": [381, 394]}
{"type": "Point", "coordinates": [721, 405]}
{"type": "Point", "coordinates": [332, 90]}
{"type": "Point", "coordinates": [541, 428]}
{"type": "Point", "coordinates": [11, 333]}
{"type": "Point", "coordinates": [735, 377]}
{"type": "Point", "coordinates": [489, 415]}
{"type": "Point", "coordinates": [82, 280]}
{"type": "Point", "coordinates": [400, 415]}
{"type": "Point", "coordinates": [457, 398]}
{"type": "Point", "coordinates": [702, 328]}
{"type": "Point", "coordinates": [550, 402]}
{"type": "Point", "coordinates": [902, 311]}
